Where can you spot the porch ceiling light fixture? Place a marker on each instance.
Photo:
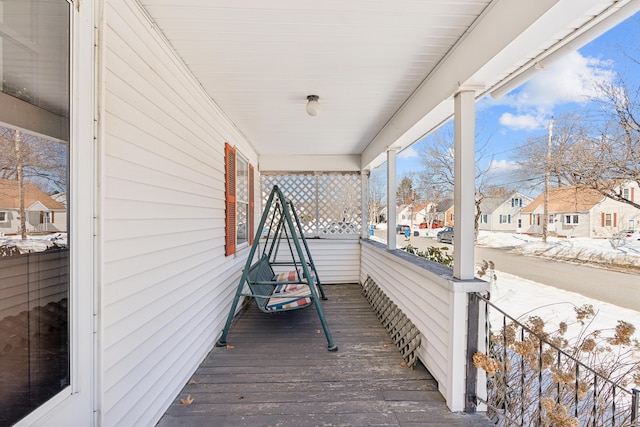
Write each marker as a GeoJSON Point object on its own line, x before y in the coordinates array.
{"type": "Point", "coordinates": [313, 106]}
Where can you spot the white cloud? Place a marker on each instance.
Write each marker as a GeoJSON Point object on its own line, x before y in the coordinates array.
{"type": "Point", "coordinates": [571, 79]}
{"type": "Point", "coordinates": [408, 153]}
{"type": "Point", "coordinates": [502, 172]}
{"type": "Point", "coordinates": [574, 78]}
{"type": "Point", "coordinates": [503, 166]}
{"type": "Point", "coordinates": [522, 122]}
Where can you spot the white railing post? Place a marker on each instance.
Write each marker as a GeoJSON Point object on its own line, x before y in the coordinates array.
{"type": "Point", "coordinates": [464, 189]}
{"type": "Point", "coordinates": [391, 199]}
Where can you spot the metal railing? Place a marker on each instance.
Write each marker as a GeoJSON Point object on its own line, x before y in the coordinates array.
{"type": "Point", "coordinates": [535, 379]}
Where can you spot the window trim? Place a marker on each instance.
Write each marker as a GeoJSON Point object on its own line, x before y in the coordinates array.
{"type": "Point", "coordinates": [4, 216]}
{"type": "Point", "coordinates": [231, 215]}
{"type": "Point", "coordinates": [571, 219]}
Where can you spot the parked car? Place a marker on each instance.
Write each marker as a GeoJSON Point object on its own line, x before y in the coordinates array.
{"type": "Point", "coordinates": [628, 235]}
{"type": "Point", "coordinates": [434, 224]}
{"type": "Point", "coordinates": [446, 235]}
{"type": "Point", "coordinates": [400, 228]}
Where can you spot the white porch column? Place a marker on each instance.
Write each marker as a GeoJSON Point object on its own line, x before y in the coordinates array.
{"type": "Point", "coordinates": [391, 199]}
{"type": "Point", "coordinates": [464, 184]}
{"type": "Point", "coordinates": [364, 220]}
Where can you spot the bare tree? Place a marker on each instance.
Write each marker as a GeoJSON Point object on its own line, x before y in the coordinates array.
{"type": "Point", "coordinates": [377, 191]}
{"type": "Point", "coordinates": [599, 149]}
{"type": "Point", "coordinates": [437, 158]}
{"type": "Point", "coordinates": [29, 158]}
{"type": "Point", "coordinates": [406, 192]}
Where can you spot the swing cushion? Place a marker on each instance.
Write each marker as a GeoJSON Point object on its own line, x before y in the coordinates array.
{"type": "Point", "coordinates": [287, 276]}
{"type": "Point", "coordinates": [288, 297]}
{"type": "Point", "coordinates": [292, 276]}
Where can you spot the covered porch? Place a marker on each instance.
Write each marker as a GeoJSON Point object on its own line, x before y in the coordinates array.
{"type": "Point", "coordinates": [275, 371]}
{"type": "Point", "coordinates": [180, 112]}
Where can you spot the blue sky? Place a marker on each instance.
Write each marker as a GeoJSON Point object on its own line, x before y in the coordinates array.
{"type": "Point", "coordinates": [568, 84]}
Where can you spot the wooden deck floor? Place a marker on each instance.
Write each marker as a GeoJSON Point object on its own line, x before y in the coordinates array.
{"type": "Point", "coordinates": [276, 371]}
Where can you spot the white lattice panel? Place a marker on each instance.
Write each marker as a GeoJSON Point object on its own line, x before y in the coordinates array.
{"type": "Point", "coordinates": [328, 204]}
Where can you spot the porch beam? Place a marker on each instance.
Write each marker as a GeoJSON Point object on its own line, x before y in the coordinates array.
{"type": "Point", "coordinates": [304, 163]}
{"type": "Point", "coordinates": [391, 199]}
{"type": "Point", "coordinates": [464, 189]}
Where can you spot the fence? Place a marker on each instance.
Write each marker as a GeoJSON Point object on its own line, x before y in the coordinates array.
{"type": "Point", "coordinates": [538, 379]}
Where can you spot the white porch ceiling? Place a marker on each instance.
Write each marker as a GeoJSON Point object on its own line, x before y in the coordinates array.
{"type": "Point", "coordinates": [385, 70]}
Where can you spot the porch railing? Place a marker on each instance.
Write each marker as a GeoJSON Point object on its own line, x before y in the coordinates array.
{"type": "Point", "coordinates": [532, 380]}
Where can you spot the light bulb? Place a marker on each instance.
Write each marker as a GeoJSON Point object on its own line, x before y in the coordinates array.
{"type": "Point", "coordinates": [313, 106]}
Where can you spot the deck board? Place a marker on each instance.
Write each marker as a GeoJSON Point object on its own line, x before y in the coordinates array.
{"type": "Point", "coordinates": [276, 371]}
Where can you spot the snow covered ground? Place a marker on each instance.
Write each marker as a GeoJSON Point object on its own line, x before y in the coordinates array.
{"type": "Point", "coordinates": [34, 243]}
{"type": "Point", "coordinates": [526, 298]}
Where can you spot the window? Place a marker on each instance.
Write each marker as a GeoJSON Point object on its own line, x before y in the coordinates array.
{"type": "Point", "coordinates": [519, 223]}
{"type": "Point", "coordinates": [484, 219]}
{"type": "Point", "coordinates": [551, 218]}
{"type": "Point", "coordinates": [609, 220]}
{"type": "Point", "coordinates": [571, 219]}
{"type": "Point", "coordinates": [239, 201]}
{"type": "Point", "coordinates": [34, 85]}
{"type": "Point", "coordinates": [242, 200]}
{"type": "Point", "coordinates": [516, 202]}
{"type": "Point", "coordinates": [505, 219]}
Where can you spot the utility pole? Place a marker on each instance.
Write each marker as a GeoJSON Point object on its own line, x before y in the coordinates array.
{"type": "Point", "coordinates": [545, 212]}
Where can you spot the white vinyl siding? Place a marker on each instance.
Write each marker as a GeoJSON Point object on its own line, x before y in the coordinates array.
{"type": "Point", "coordinates": [166, 285]}
{"type": "Point", "coordinates": [434, 303]}
{"type": "Point", "coordinates": [337, 261]}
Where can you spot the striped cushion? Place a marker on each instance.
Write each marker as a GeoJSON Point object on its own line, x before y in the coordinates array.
{"type": "Point", "coordinates": [292, 276]}
{"type": "Point", "coordinates": [287, 276]}
{"type": "Point", "coordinates": [289, 299]}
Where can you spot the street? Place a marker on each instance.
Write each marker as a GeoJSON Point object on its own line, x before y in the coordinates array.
{"type": "Point", "coordinates": [614, 287]}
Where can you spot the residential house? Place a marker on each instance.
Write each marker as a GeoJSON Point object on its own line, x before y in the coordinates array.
{"type": "Point", "coordinates": [503, 213]}
{"type": "Point", "coordinates": [582, 212]}
{"type": "Point", "coordinates": [404, 214]}
{"type": "Point", "coordinates": [413, 214]}
{"type": "Point", "coordinates": [445, 213]}
{"type": "Point", "coordinates": [43, 213]}
{"type": "Point", "coordinates": [173, 117]}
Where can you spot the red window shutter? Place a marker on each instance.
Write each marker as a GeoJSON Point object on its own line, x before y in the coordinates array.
{"type": "Point", "coordinates": [251, 204]}
{"type": "Point", "coordinates": [603, 220]}
{"type": "Point", "coordinates": [632, 196]}
{"type": "Point", "coordinates": [530, 219]}
{"type": "Point", "coordinates": [615, 219]}
{"type": "Point", "coordinates": [53, 218]}
{"type": "Point", "coordinates": [230, 199]}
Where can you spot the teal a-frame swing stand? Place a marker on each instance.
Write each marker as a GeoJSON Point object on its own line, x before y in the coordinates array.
{"type": "Point", "coordinates": [291, 290]}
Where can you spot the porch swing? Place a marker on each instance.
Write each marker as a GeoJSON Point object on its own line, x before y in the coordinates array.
{"type": "Point", "coordinates": [284, 291]}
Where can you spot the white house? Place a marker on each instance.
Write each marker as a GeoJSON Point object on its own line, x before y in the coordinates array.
{"type": "Point", "coordinates": [503, 213]}
{"type": "Point", "coordinates": [43, 213]}
{"type": "Point", "coordinates": [583, 212]}
{"type": "Point", "coordinates": [171, 115]}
